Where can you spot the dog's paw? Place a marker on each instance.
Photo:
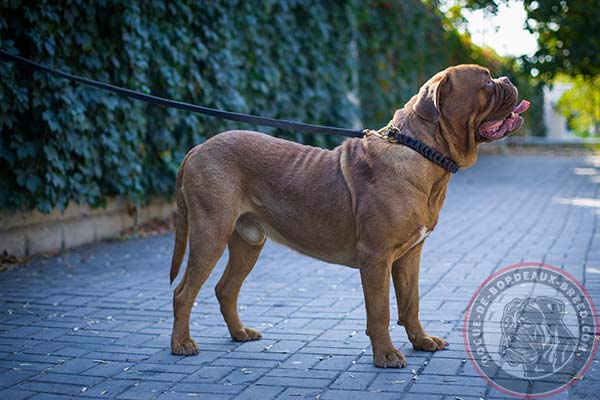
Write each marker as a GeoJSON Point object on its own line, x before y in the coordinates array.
{"type": "Point", "coordinates": [246, 334]}
{"type": "Point", "coordinates": [389, 359]}
{"type": "Point", "coordinates": [430, 343]}
{"type": "Point", "coordinates": [186, 347]}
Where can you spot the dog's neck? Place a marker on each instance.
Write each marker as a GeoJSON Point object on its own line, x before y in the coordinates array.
{"type": "Point", "coordinates": [415, 127]}
{"type": "Point", "coordinates": [431, 134]}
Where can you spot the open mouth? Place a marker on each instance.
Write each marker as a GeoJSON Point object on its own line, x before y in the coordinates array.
{"type": "Point", "coordinates": [493, 130]}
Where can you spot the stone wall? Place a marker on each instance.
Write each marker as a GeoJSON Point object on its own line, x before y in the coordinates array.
{"type": "Point", "coordinates": [30, 233]}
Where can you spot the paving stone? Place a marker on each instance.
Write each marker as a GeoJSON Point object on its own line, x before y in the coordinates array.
{"type": "Point", "coordinates": [25, 366]}
{"type": "Point", "coordinates": [68, 379]}
{"type": "Point", "coordinates": [107, 368]}
{"type": "Point", "coordinates": [455, 390]}
{"type": "Point", "coordinates": [244, 376]}
{"type": "Point", "coordinates": [49, 396]}
{"type": "Point", "coordinates": [145, 390]}
{"type": "Point", "coordinates": [11, 377]}
{"type": "Point", "coordinates": [260, 392]}
{"type": "Point", "coordinates": [110, 388]}
{"type": "Point", "coordinates": [209, 388]}
{"type": "Point", "coordinates": [149, 376]}
{"type": "Point", "coordinates": [303, 373]}
{"type": "Point", "coordinates": [257, 355]}
{"type": "Point", "coordinates": [335, 394]}
{"type": "Point", "coordinates": [299, 393]}
{"type": "Point", "coordinates": [171, 395]}
{"type": "Point", "coordinates": [335, 362]}
{"type": "Point", "coordinates": [52, 388]}
{"type": "Point", "coordinates": [300, 361]}
{"type": "Point", "coordinates": [13, 394]}
{"type": "Point", "coordinates": [245, 363]}
{"type": "Point", "coordinates": [353, 380]}
{"type": "Point", "coordinates": [75, 366]}
{"type": "Point", "coordinates": [391, 382]}
{"type": "Point", "coordinates": [298, 382]}
{"type": "Point", "coordinates": [443, 366]}
{"type": "Point", "coordinates": [209, 374]}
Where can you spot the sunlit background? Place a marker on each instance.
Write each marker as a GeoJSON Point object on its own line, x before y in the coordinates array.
{"type": "Point", "coordinates": [504, 32]}
{"type": "Point", "coordinates": [571, 92]}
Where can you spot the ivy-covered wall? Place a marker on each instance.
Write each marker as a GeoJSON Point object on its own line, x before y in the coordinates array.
{"type": "Point", "coordinates": [291, 59]}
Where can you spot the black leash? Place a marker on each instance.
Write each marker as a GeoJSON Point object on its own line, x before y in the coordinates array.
{"type": "Point", "coordinates": [426, 151]}
{"type": "Point", "coordinates": [250, 119]}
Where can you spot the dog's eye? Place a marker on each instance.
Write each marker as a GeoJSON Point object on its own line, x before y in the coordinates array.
{"type": "Point", "coordinates": [489, 84]}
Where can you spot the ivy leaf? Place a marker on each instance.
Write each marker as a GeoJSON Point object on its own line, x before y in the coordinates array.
{"type": "Point", "coordinates": [26, 150]}
{"type": "Point", "coordinates": [50, 119]}
{"type": "Point", "coordinates": [32, 183]}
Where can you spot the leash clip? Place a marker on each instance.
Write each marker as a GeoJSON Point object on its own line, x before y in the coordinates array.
{"type": "Point", "coordinates": [383, 133]}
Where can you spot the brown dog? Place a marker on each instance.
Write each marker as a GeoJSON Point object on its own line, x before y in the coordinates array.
{"type": "Point", "coordinates": [367, 204]}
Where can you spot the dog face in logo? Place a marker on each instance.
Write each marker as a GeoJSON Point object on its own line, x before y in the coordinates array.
{"type": "Point", "coordinates": [535, 336]}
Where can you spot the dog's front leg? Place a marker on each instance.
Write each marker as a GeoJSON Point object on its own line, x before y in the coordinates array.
{"type": "Point", "coordinates": [376, 287]}
{"type": "Point", "coordinates": [405, 274]}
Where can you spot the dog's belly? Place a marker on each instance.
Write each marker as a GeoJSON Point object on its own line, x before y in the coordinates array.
{"type": "Point", "coordinates": [255, 230]}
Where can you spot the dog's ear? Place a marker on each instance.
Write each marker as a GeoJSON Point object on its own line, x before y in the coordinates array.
{"type": "Point", "coordinates": [427, 105]}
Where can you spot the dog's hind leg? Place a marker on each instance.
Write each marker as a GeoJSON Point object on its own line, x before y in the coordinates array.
{"type": "Point", "coordinates": [206, 247]}
{"type": "Point", "coordinates": [245, 245]}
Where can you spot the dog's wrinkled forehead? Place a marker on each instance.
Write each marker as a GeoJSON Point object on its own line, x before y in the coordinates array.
{"type": "Point", "coordinates": [469, 74]}
{"type": "Point", "coordinates": [465, 82]}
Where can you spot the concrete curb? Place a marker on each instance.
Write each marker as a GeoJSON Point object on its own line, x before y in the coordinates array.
{"type": "Point", "coordinates": [30, 233]}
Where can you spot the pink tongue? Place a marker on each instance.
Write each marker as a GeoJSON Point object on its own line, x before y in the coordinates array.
{"type": "Point", "coordinates": [521, 107]}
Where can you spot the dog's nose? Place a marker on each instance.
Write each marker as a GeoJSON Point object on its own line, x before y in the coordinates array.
{"type": "Point", "coordinates": [505, 80]}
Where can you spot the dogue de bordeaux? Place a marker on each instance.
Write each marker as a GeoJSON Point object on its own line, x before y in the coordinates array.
{"type": "Point", "coordinates": [367, 204]}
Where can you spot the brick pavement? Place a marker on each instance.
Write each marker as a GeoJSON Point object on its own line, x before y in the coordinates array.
{"type": "Point", "coordinates": [95, 322]}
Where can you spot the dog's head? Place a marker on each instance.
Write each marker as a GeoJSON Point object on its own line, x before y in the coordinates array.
{"type": "Point", "coordinates": [469, 107]}
{"type": "Point", "coordinates": [535, 336]}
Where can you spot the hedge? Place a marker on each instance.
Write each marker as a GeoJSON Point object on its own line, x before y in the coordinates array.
{"type": "Point", "coordinates": [294, 59]}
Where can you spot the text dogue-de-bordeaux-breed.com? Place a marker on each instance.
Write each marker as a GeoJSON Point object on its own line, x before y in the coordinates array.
{"type": "Point", "coordinates": [368, 204]}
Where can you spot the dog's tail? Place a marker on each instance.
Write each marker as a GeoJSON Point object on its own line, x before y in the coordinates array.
{"type": "Point", "coordinates": [181, 224]}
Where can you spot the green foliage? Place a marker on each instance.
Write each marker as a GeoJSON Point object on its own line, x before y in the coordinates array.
{"type": "Point", "coordinates": [567, 35]}
{"type": "Point", "coordinates": [61, 141]}
{"type": "Point", "coordinates": [402, 43]}
{"type": "Point", "coordinates": [289, 59]}
{"type": "Point", "coordinates": [581, 105]}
